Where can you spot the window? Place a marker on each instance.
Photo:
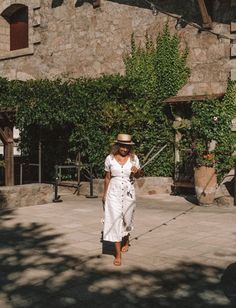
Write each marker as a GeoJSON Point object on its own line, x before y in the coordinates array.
{"type": "Point", "coordinates": [19, 29]}
{"type": "Point", "coordinates": [17, 17]}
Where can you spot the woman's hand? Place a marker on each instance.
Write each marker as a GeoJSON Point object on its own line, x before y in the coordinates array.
{"type": "Point", "coordinates": [103, 199]}
{"type": "Point", "coordinates": [137, 172]}
{"type": "Point", "coordinates": [134, 170]}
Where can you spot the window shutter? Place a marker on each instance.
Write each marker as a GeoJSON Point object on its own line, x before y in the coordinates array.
{"type": "Point", "coordinates": [19, 29]}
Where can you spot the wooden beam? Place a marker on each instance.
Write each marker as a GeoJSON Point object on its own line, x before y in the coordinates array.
{"type": "Point", "coordinates": [9, 164]}
{"type": "Point", "coordinates": [3, 137]}
{"type": "Point", "coordinates": [189, 99]}
{"type": "Point", "coordinates": [6, 135]}
{"type": "Point", "coordinates": [206, 18]}
{"type": "Point", "coordinates": [96, 3]}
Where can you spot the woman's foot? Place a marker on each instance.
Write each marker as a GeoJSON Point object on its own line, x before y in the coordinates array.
{"type": "Point", "coordinates": [125, 248]}
{"type": "Point", "coordinates": [117, 262]}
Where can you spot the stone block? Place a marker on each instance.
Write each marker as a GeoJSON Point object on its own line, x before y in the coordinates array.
{"type": "Point", "coordinates": [225, 192]}
{"type": "Point", "coordinates": [25, 195]}
{"type": "Point", "coordinates": [36, 4]}
{"type": "Point", "coordinates": [36, 38]}
{"type": "Point", "coordinates": [143, 186]}
{"type": "Point", "coordinates": [23, 76]}
{"type": "Point", "coordinates": [233, 27]}
{"type": "Point", "coordinates": [217, 87]}
{"type": "Point", "coordinates": [233, 127]}
{"type": "Point", "coordinates": [233, 50]}
{"type": "Point", "coordinates": [233, 74]}
{"type": "Point", "coordinates": [36, 19]}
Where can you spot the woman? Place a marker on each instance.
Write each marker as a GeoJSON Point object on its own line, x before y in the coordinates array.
{"type": "Point", "coordinates": [119, 195]}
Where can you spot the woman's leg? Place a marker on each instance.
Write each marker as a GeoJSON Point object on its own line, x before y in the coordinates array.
{"type": "Point", "coordinates": [117, 260]}
{"type": "Point", "coordinates": [125, 247]}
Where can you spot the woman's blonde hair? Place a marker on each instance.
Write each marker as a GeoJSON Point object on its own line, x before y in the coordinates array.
{"type": "Point", "coordinates": [115, 149]}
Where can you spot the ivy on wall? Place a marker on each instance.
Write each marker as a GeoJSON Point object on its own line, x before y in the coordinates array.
{"type": "Point", "coordinates": [212, 120]}
{"type": "Point", "coordinates": [85, 115]}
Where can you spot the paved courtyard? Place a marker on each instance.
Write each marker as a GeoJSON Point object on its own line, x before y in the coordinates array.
{"type": "Point", "coordinates": [181, 255]}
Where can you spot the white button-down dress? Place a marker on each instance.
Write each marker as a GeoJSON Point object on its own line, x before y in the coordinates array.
{"type": "Point", "coordinates": [120, 199]}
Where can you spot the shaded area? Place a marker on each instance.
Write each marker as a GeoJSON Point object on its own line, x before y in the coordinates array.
{"type": "Point", "coordinates": [78, 3]}
{"type": "Point", "coordinates": [228, 281]}
{"type": "Point", "coordinates": [34, 272]}
{"type": "Point", "coordinates": [3, 200]}
{"type": "Point", "coordinates": [221, 12]}
{"type": "Point", "coordinates": [191, 198]}
{"type": "Point", "coordinates": [230, 186]}
{"type": "Point", "coordinates": [56, 3]}
{"type": "Point", "coordinates": [81, 2]}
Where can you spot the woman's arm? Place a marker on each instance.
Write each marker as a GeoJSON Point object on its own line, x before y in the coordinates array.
{"type": "Point", "coordinates": [137, 172]}
{"type": "Point", "coordinates": [106, 183]}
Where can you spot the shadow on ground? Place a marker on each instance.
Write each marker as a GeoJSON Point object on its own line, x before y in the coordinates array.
{"type": "Point", "coordinates": [228, 281]}
{"type": "Point", "coordinates": [34, 272]}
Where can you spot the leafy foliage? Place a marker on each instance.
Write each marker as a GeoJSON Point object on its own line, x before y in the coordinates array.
{"type": "Point", "coordinates": [212, 120]}
{"type": "Point", "coordinates": [85, 115]}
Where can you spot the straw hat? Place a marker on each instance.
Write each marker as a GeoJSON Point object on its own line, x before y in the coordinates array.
{"type": "Point", "coordinates": [124, 139]}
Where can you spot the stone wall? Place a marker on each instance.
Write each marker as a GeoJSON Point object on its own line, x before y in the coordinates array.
{"type": "Point", "coordinates": [71, 39]}
{"type": "Point", "coordinates": [25, 195]}
{"type": "Point", "coordinates": [143, 186]}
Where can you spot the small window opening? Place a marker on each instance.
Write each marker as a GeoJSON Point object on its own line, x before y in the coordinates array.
{"type": "Point", "coordinates": [17, 17]}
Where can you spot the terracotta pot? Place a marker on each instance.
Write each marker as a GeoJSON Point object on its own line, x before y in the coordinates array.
{"type": "Point", "coordinates": [205, 184]}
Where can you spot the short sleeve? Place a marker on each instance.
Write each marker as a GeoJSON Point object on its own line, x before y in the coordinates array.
{"type": "Point", "coordinates": [107, 164]}
{"type": "Point", "coordinates": [136, 162]}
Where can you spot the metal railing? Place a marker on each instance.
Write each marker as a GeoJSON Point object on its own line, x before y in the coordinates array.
{"type": "Point", "coordinates": [59, 182]}
{"type": "Point", "coordinates": [33, 165]}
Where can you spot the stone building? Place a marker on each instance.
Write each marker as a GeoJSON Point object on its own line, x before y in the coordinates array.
{"type": "Point", "coordinates": [72, 38]}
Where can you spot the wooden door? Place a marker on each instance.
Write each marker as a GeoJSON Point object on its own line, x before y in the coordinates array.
{"type": "Point", "coordinates": [19, 37]}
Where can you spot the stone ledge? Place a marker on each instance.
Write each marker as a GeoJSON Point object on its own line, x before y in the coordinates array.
{"type": "Point", "coordinates": [143, 186]}
{"type": "Point", "coordinates": [18, 53]}
{"type": "Point", "coordinates": [25, 195]}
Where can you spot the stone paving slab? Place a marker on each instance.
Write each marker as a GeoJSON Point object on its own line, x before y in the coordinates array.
{"type": "Point", "coordinates": [181, 255]}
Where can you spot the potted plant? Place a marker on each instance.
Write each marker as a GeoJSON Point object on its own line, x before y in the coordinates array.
{"type": "Point", "coordinates": [205, 179]}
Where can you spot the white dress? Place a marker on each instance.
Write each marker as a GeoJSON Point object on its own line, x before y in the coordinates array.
{"type": "Point", "coordinates": [120, 199]}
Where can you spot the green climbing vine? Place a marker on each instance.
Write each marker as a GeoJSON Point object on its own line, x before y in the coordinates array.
{"type": "Point", "coordinates": [84, 115]}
